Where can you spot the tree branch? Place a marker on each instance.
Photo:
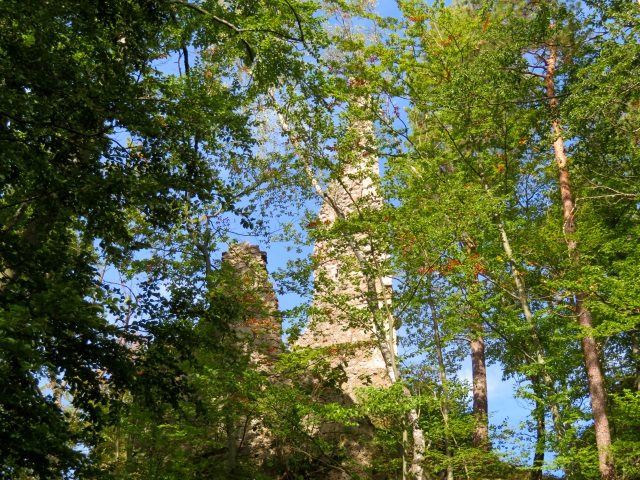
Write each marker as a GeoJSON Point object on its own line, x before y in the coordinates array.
{"type": "Point", "coordinates": [299, 22]}
{"type": "Point", "coordinates": [221, 21]}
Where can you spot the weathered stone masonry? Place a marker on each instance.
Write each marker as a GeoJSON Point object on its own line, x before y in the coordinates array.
{"type": "Point", "coordinates": [259, 335]}
{"type": "Point", "coordinates": [342, 295]}
{"type": "Point", "coordinates": [339, 272]}
{"type": "Point", "coordinates": [339, 279]}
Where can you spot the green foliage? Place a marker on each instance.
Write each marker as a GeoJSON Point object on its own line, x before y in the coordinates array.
{"type": "Point", "coordinates": [78, 78]}
{"type": "Point", "coordinates": [478, 173]}
{"type": "Point", "coordinates": [123, 175]}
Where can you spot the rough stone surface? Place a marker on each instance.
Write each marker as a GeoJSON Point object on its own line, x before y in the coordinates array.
{"type": "Point", "coordinates": [259, 335]}
{"type": "Point", "coordinates": [341, 289]}
{"type": "Point", "coordinates": [343, 323]}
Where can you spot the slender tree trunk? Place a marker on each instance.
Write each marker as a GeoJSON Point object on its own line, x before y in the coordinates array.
{"type": "Point", "coordinates": [480, 399]}
{"type": "Point", "coordinates": [538, 414]}
{"type": "Point", "coordinates": [480, 437]}
{"type": "Point", "coordinates": [445, 388]}
{"type": "Point", "coordinates": [538, 456]}
{"type": "Point", "coordinates": [635, 356]}
{"type": "Point", "coordinates": [595, 377]}
{"type": "Point", "coordinates": [385, 340]}
{"type": "Point", "coordinates": [417, 435]}
{"type": "Point", "coordinates": [232, 446]}
{"type": "Point", "coordinates": [405, 443]}
{"type": "Point", "coordinates": [528, 315]}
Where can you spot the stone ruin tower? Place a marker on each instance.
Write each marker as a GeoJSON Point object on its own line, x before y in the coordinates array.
{"type": "Point", "coordinates": [342, 291]}
{"type": "Point", "coordinates": [343, 323]}
{"type": "Point", "coordinates": [259, 336]}
{"type": "Point", "coordinates": [339, 278]}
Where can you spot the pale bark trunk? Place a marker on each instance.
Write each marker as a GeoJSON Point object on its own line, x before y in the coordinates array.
{"type": "Point", "coordinates": [417, 435]}
{"type": "Point", "coordinates": [635, 357]}
{"type": "Point", "coordinates": [387, 349]}
{"type": "Point", "coordinates": [528, 315]}
{"type": "Point", "coordinates": [480, 399]}
{"type": "Point", "coordinates": [405, 448]}
{"type": "Point", "coordinates": [232, 445]}
{"type": "Point", "coordinates": [595, 377]}
{"type": "Point", "coordinates": [445, 388]}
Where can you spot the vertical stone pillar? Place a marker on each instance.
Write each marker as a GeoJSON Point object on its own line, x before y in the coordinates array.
{"type": "Point", "coordinates": [342, 291]}
{"type": "Point", "coordinates": [260, 332]}
{"type": "Point", "coordinates": [259, 336]}
{"type": "Point", "coordinates": [344, 323]}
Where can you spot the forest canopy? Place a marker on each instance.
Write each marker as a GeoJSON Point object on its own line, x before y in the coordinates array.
{"type": "Point", "coordinates": [458, 181]}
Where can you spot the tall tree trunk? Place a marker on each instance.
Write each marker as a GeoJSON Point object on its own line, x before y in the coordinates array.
{"type": "Point", "coordinates": [538, 414]}
{"type": "Point", "coordinates": [445, 388]}
{"type": "Point", "coordinates": [417, 435]}
{"type": "Point", "coordinates": [635, 357]}
{"type": "Point", "coordinates": [480, 437]}
{"type": "Point", "coordinates": [232, 445]}
{"type": "Point", "coordinates": [594, 372]}
{"type": "Point", "coordinates": [538, 456]}
{"type": "Point", "coordinates": [528, 315]}
{"type": "Point", "coordinates": [521, 294]}
{"type": "Point", "coordinates": [480, 399]}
